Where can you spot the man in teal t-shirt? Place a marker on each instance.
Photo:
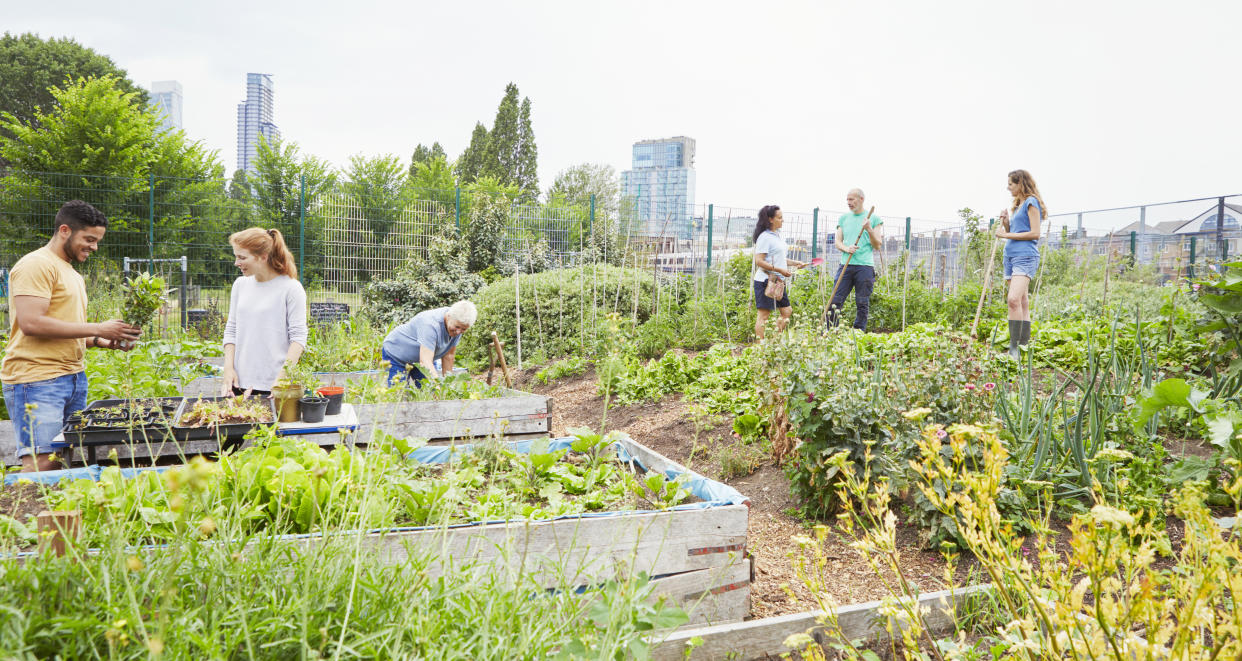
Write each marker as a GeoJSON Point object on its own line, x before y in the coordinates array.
{"type": "Point", "coordinates": [860, 274]}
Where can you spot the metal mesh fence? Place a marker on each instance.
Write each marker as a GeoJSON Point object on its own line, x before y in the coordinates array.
{"type": "Point", "coordinates": [346, 234]}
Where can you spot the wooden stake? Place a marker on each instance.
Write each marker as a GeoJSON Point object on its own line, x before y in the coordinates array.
{"type": "Point", "coordinates": [987, 282]}
{"type": "Point", "coordinates": [58, 529]}
{"type": "Point", "coordinates": [1108, 266]}
{"type": "Point", "coordinates": [499, 348]}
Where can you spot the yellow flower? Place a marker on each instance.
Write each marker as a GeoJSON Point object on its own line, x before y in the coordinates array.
{"type": "Point", "coordinates": [133, 563]}
{"type": "Point", "coordinates": [155, 646]}
{"type": "Point", "coordinates": [1112, 515]}
{"type": "Point", "coordinates": [917, 414]}
{"type": "Point", "coordinates": [206, 526]}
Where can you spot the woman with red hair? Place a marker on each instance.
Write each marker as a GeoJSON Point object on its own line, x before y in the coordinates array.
{"type": "Point", "coordinates": [266, 328]}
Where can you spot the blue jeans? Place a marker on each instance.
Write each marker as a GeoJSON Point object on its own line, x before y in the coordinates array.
{"type": "Point", "coordinates": [399, 369]}
{"type": "Point", "coordinates": [49, 402]}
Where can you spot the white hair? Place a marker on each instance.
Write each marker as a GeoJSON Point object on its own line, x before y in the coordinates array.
{"type": "Point", "coordinates": [463, 312]}
{"type": "Point", "coordinates": [859, 191]}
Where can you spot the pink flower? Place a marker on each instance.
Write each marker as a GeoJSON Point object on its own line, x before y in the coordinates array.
{"type": "Point", "coordinates": [970, 386]}
{"type": "Point", "coordinates": [940, 433]}
{"type": "Point", "coordinates": [810, 397]}
{"type": "Point", "coordinates": [1195, 286]}
{"type": "Point", "coordinates": [989, 386]}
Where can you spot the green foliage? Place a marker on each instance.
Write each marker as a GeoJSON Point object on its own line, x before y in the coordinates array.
{"type": "Point", "coordinates": [571, 366]}
{"type": "Point", "coordinates": [144, 294]}
{"type": "Point", "coordinates": [371, 391]}
{"type": "Point", "coordinates": [424, 155]}
{"type": "Point", "coordinates": [352, 345]}
{"type": "Point", "coordinates": [288, 485]}
{"type": "Point", "coordinates": [201, 599]}
{"type": "Point", "coordinates": [96, 127]}
{"type": "Point", "coordinates": [562, 311]}
{"type": "Point", "coordinates": [426, 282]}
{"type": "Point", "coordinates": [721, 378]}
{"type": "Point", "coordinates": [470, 165]}
{"type": "Point", "coordinates": [32, 66]}
{"type": "Point", "coordinates": [154, 368]}
{"type": "Point", "coordinates": [282, 176]}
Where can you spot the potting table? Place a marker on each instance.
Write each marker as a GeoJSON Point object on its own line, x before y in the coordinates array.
{"type": "Point", "coordinates": [346, 420]}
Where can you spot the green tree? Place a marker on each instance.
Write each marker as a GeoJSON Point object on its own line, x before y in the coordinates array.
{"type": "Point", "coordinates": [375, 185]}
{"type": "Point", "coordinates": [501, 157]}
{"type": "Point", "coordinates": [526, 174]}
{"type": "Point", "coordinates": [99, 144]}
{"type": "Point", "coordinates": [31, 66]}
{"type": "Point", "coordinates": [425, 154]}
{"type": "Point", "coordinates": [470, 166]}
{"type": "Point", "coordinates": [487, 226]}
{"type": "Point", "coordinates": [511, 155]}
{"type": "Point", "coordinates": [278, 193]}
{"type": "Point", "coordinates": [433, 180]}
{"type": "Point", "coordinates": [576, 184]}
{"type": "Point", "coordinates": [96, 128]}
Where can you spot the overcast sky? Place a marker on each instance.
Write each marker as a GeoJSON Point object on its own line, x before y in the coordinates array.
{"type": "Point", "coordinates": [925, 105]}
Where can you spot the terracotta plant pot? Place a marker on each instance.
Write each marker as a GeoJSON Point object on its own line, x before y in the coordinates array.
{"type": "Point", "coordinates": [313, 408]}
{"type": "Point", "coordinates": [287, 403]}
{"type": "Point", "coordinates": [335, 395]}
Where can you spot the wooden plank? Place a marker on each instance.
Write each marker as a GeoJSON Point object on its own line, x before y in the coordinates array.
{"type": "Point", "coordinates": [756, 638]}
{"type": "Point", "coordinates": [717, 595]}
{"type": "Point", "coordinates": [576, 551]}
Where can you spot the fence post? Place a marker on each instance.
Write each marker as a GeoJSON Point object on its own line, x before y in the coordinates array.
{"type": "Point", "coordinates": [1078, 234]}
{"type": "Point", "coordinates": [814, 233]}
{"type": "Point", "coordinates": [1220, 229]}
{"type": "Point", "coordinates": [302, 231]}
{"type": "Point", "coordinates": [457, 207]}
{"type": "Point", "coordinates": [1133, 245]}
{"type": "Point", "coordinates": [907, 233]}
{"type": "Point", "coordinates": [1191, 268]}
{"type": "Point", "coordinates": [151, 222]}
{"type": "Point", "coordinates": [711, 208]}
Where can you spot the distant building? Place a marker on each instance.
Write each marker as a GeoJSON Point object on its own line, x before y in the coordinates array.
{"type": "Point", "coordinates": [166, 100]}
{"type": "Point", "coordinates": [254, 119]}
{"type": "Point", "coordinates": [661, 185]}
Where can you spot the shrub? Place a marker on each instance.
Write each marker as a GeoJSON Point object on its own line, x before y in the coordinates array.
{"type": "Point", "coordinates": [561, 310]}
{"type": "Point", "coordinates": [423, 283]}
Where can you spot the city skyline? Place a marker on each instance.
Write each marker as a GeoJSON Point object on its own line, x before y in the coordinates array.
{"type": "Point", "coordinates": [661, 183]}
{"type": "Point", "coordinates": [926, 106]}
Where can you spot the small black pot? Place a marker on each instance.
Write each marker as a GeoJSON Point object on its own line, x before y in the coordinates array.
{"type": "Point", "coordinates": [334, 398]}
{"type": "Point", "coordinates": [313, 408]}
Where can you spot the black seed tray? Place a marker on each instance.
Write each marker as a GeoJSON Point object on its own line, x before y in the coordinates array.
{"type": "Point", "coordinates": [232, 432]}
{"type": "Point", "coordinates": [83, 428]}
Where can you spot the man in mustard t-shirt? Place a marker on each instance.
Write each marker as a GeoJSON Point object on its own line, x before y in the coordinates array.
{"type": "Point", "coordinates": [44, 371]}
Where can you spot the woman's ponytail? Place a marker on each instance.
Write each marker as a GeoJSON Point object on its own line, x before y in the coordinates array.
{"type": "Point", "coordinates": [270, 244]}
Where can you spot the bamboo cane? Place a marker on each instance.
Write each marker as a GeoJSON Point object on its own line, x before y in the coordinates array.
{"type": "Point", "coordinates": [846, 263]}
{"type": "Point", "coordinates": [987, 282]}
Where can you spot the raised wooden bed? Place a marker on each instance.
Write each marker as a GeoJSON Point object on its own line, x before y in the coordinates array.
{"type": "Point", "coordinates": [765, 638]}
{"type": "Point", "coordinates": [695, 553]}
{"type": "Point", "coordinates": [516, 415]}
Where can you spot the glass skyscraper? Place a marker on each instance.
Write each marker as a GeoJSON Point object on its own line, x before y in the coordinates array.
{"type": "Point", "coordinates": [166, 100]}
{"type": "Point", "coordinates": [661, 185]}
{"type": "Point", "coordinates": [254, 119]}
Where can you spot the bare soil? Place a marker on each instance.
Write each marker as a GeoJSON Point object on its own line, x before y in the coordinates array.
{"type": "Point", "coordinates": [21, 501]}
{"type": "Point", "coordinates": [670, 428]}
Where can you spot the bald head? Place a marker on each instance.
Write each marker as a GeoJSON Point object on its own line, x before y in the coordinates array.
{"type": "Point", "coordinates": [854, 199]}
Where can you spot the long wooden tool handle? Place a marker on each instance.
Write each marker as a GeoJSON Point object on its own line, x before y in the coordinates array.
{"type": "Point", "coordinates": [500, 356]}
{"type": "Point", "coordinates": [987, 282]}
{"type": "Point", "coordinates": [848, 256]}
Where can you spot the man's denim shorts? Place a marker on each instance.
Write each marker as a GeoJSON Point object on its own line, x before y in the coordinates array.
{"type": "Point", "coordinates": [1027, 265]}
{"type": "Point", "coordinates": [39, 409]}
